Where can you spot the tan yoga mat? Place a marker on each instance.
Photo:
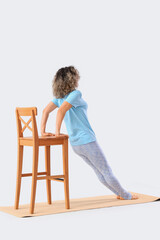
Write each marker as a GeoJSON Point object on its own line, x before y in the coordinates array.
{"type": "Point", "coordinates": [76, 204]}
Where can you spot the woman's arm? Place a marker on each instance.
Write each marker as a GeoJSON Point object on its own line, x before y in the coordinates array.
{"type": "Point", "coordinates": [49, 108]}
{"type": "Point", "coordinates": [60, 115]}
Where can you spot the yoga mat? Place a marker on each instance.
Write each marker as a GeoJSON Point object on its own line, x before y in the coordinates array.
{"type": "Point", "coordinates": [76, 204]}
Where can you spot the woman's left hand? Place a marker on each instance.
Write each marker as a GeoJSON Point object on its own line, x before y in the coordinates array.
{"type": "Point", "coordinates": [47, 134]}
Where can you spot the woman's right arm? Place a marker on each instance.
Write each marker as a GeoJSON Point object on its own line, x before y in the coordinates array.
{"type": "Point", "coordinates": [46, 111]}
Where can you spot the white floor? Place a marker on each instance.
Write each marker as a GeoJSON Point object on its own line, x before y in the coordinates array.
{"type": "Point", "coordinates": [139, 221]}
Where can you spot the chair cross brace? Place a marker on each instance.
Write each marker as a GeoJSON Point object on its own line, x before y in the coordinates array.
{"type": "Point", "coordinates": [53, 177]}
{"type": "Point", "coordinates": [26, 124]}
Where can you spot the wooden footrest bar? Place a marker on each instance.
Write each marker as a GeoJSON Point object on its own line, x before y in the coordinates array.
{"type": "Point", "coordinates": [30, 174]}
{"type": "Point", "coordinates": [54, 177]}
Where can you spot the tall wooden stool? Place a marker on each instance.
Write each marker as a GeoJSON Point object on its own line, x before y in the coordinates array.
{"type": "Point", "coordinates": [35, 141]}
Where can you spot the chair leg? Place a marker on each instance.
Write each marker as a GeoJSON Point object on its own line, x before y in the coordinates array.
{"type": "Point", "coordinates": [34, 177]}
{"type": "Point", "coordinates": [47, 166]}
{"type": "Point", "coordinates": [19, 172]}
{"type": "Point", "coordinates": [65, 172]}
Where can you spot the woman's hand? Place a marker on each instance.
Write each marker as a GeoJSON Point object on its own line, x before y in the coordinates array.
{"type": "Point", "coordinates": [51, 134]}
{"type": "Point", "coordinates": [47, 134]}
{"type": "Point", "coordinates": [57, 133]}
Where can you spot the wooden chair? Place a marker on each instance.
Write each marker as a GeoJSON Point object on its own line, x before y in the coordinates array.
{"type": "Point", "coordinates": [35, 141]}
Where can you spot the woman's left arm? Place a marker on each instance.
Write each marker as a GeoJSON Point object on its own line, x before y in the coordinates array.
{"type": "Point", "coordinates": [46, 111]}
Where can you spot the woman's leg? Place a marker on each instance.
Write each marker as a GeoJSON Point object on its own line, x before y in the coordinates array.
{"type": "Point", "coordinates": [97, 172]}
{"type": "Point", "coordinates": [94, 153]}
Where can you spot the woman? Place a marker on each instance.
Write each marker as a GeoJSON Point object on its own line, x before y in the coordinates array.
{"type": "Point", "coordinates": [73, 109]}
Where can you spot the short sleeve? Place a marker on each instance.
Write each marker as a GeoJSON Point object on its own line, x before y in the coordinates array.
{"type": "Point", "coordinates": [55, 101]}
{"type": "Point", "coordinates": [74, 98]}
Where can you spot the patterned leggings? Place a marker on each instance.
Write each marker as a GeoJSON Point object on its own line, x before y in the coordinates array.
{"type": "Point", "coordinates": [94, 157]}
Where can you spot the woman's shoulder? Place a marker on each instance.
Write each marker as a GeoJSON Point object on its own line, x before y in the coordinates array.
{"type": "Point", "coordinates": [76, 92]}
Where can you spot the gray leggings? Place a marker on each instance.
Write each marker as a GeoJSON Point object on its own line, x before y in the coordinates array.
{"type": "Point", "coordinates": [94, 157]}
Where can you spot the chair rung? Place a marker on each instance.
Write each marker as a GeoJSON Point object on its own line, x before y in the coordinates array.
{"type": "Point", "coordinates": [30, 174]}
{"type": "Point", "coordinates": [54, 177]}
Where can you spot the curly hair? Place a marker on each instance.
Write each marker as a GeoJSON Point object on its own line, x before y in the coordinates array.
{"type": "Point", "coordinates": [65, 81]}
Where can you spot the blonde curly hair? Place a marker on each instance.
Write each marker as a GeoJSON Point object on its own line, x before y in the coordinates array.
{"type": "Point", "coordinates": [65, 81]}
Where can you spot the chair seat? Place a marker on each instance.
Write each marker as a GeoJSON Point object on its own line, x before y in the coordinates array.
{"type": "Point", "coordinates": [43, 140]}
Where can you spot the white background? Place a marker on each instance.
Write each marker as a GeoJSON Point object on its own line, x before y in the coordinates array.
{"type": "Point", "coordinates": [115, 46]}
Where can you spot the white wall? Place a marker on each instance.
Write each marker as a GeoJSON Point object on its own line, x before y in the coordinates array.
{"type": "Point", "coordinates": [115, 47]}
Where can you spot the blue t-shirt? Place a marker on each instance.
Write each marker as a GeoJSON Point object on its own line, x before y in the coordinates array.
{"type": "Point", "coordinates": [76, 119]}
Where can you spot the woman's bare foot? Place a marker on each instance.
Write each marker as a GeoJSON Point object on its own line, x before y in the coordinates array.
{"type": "Point", "coordinates": [134, 196]}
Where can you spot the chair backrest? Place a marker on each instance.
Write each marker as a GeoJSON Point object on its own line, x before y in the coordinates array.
{"type": "Point", "coordinates": [26, 111]}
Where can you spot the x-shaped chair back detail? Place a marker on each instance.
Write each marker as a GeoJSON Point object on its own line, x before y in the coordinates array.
{"type": "Point", "coordinates": [26, 112]}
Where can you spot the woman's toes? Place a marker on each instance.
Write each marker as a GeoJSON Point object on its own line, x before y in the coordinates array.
{"type": "Point", "coordinates": [134, 196]}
